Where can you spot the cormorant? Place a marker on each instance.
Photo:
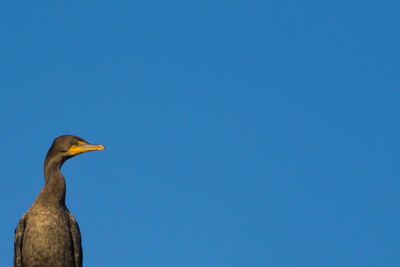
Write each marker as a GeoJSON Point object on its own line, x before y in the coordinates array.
{"type": "Point", "coordinates": [47, 234]}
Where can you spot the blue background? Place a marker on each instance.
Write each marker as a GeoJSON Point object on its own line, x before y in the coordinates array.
{"type": "Point", "coordinates": [237, 133]}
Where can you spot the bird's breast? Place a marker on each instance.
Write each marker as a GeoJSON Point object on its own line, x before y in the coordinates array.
{"type": "Point", "coordinates": [47, 238]}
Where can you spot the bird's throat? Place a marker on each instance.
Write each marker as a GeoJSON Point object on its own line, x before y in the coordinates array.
{"type": "Point", "coordinates": [54, 189]}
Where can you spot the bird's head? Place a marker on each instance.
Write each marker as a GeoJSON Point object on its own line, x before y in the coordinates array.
{"type": "Point", "coordinates": [67, 146]}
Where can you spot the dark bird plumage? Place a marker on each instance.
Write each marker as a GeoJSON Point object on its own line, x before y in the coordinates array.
{"type": "Point", "coordinates": [47, 234]}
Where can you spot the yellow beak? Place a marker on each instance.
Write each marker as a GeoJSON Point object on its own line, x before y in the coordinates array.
{"type": "Point", "coordinates": [83, 147]}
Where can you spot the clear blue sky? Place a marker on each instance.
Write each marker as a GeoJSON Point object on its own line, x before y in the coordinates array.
{"type": "Point", "coordinates": [237, 133]}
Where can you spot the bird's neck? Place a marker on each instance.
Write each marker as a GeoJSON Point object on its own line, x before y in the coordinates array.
{"type": "Point", "coordinates": [54, 189]}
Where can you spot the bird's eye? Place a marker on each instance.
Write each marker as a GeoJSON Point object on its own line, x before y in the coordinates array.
{"type": "Point", "coordinates": [75, 143]}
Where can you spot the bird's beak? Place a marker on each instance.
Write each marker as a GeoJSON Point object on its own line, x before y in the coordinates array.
{"type": "Point", "coordinates": [83, 147]}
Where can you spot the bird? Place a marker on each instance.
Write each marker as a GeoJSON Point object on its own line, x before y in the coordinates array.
{"type": "Point", "coordinates": [48, 235]}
